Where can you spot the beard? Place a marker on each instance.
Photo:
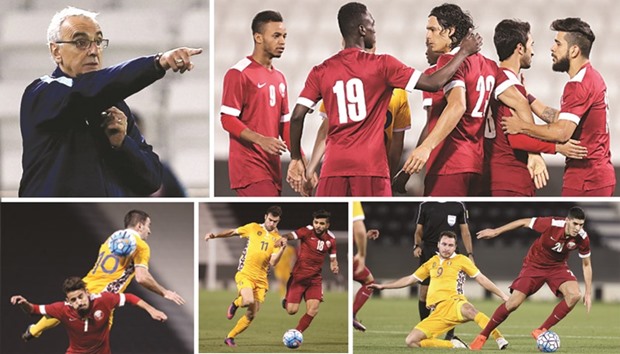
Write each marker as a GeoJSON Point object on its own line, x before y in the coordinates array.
{"type": "Point", "coordinates": [561, 64]}
{"type": "Point", "coordinates": [83, 311]}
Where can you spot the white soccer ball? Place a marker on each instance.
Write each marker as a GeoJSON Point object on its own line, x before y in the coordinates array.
{"type": "Point", "coordinates": [122, 243]}
{"type": "Point", "coordinates": [292, 339]}
{"type": "Point", "coordinates": [548, 342]}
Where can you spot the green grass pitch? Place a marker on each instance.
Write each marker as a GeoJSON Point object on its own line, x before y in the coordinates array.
{"type": "Point", "coordinates": [328, 332]}
{"type": "Point", "coordinates": [389, 321]}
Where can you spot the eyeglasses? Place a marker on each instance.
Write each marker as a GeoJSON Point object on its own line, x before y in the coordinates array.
{"type": "Point", "coordinates": [84, 44]}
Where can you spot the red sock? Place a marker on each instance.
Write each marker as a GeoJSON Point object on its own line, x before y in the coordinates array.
{"type": "Point", "coordinates": [559, 312]}
{"type": "Point", "coordinates": [363, 294]}
{"type": "Point", "coordinates": [499, 316]}
{"type": "Point", "coordinates": [304, 322]}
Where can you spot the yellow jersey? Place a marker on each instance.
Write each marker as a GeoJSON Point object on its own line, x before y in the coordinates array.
{"type": "Point", "coordinates": [254, 260]}
{"type": "Point", "coordinates": [397, 119]}
{"type": "Point", "coordinates": [113, 273]}
{"type": "Point", "coordinates": [447, 276]}
{"type": "Point", "coordinates": [358, 211]}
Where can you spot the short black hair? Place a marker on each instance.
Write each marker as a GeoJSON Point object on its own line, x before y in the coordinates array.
{"type": "Point", "coordinates": [264, 17]}
{"type": "Point", "coordinates": [135, 217]}
{"type": "Point", "coordinates": [451, 15]}
{"type": "Point", "coordinates": [508, 34]}
{"type": "Point", "coordinates": [447, 233]}
{"type": "Point", "coordinates": [322, 214]}
{"type": "Point", "coordinates": [274, 210]}
{"type": "Point", "coordinates": [72, 284]}
{"type": "Point", "coordinates": [350, 17]}
{"type": "Point", "coordinates": [578, 32]}
{"type": "Point", "coordinates": [576, 213]}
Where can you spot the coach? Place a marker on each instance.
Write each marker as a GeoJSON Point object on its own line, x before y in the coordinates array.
{"type": "Point", "coordinates": [79, 136]}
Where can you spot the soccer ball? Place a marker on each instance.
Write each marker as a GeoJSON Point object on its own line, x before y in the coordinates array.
{"type": "Point", "coordinates": [122, 243]}
{"type": "Point", "coordinates": [292, 339]}
{"type": "Point", "coordinates": [548, 342]}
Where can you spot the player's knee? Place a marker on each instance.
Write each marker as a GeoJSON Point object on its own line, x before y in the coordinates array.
{"type": "Point", "coordinates": [291, 311]}
{"type": "Point", "coordinates": [313, 311]}
{"type": "Point", "coordinates": [247, 302]}
{"type": "Point", "coordinates": [572, 298]}
{"type": "Point", "coordinates": [412, 341]}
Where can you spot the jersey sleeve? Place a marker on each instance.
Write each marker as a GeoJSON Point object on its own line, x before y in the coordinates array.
{"type": "Point", "coordinates": [301, 233]}
{"type": "Point", "coordinates": [463, 215]}
{"type": "Point", "coordinates": [402, 115]}
{"type": "Point", "coordinates": [540, 225]}
{"type": "Point", "coordinates": [469, 267]}
{"type": "Point", "coordinates": [233, 93]}
{"type": "Point", "coordinates": [245, 230]}
{"type": "Point", "coordinates": [424, 271]}
{"type": "Point", "coordinates": [311, 93]}
{"type": "Point", "coordinates": [584, 245]}
{"type": "Point", "coordinates": [358, 211]}
{"type": "Point", "coordinates": [55, 310]}
{"type": "Point", "coordinates": [400, 75]}
{"type": "Point", "coordinates": [575, 102]}
{"type": "Point", "coordinates": [458, 79]}
{"type": "Point", "coordinates": [112, 300]}
{"type": "Point", "coordinates": [143, 253]}
{"type": "Point", "coordinates": [332, 252]}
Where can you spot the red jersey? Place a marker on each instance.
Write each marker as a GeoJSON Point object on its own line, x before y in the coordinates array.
{"type": "Point", "coordinates": [312, 252]}
{"type": "Point", "coordinates": [258, 97]}
{"type": "Point", "coordinates": [356, 88]}
{"type": "Point", "coordinates": [89, 334]}
{"type": "Point", "coordinates": [553, 246]}
{"type": "Point", "coordinates": [462, 150]}
{"type": "Point", "coordinates": [585, 103]}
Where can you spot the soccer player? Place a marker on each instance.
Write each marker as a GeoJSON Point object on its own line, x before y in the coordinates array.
{"type": "Point", "coordinates": [583, 113]}
{"type": "Point", "coordinates": [454, 145]}
{"type": "Point", "coordinates": [545, 262]}
{"type": "Point", "coordinates": [434, 217]}
{"type": "Point", "coordinates": [113, 273]}
{"type": "Point", "coordinates": [255, 112]}
{"type": "Point", "coordinates": [446, 296]}
{"type": "Point", "coordinates": [356, 87]}
{"type": "Point", "coordinates": [86, 316]}
{"type": "Point", "coordinates": [264, 248]}
{"type": "Point", "coordinates": [361, 273]}
{"type": "Point", "coordinates": [306, 280]}
{"type": "Point", "coordinates": [508, 157]}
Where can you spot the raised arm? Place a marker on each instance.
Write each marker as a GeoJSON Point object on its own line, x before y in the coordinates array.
{"type": "Point", "coordinates": [144, 278]}
{"type": "Point", "coordinates": [22, 303]}
{"type": "Point", "coordinates": [138, 302]}
{"type": "Point", "coordinates": [491, 233]}
{"type": "Point", "coordinates": [224, 234]}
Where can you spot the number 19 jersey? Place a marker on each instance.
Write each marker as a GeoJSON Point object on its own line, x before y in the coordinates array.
{"type": "Point", "coordinates": [356, 88]}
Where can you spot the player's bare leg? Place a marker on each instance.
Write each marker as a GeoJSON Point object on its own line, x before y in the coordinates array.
{"type": "Point", "coordinates": [470, 313]}
{"type": "Point", "coordinates": [243, 323]}
{"type": "Point", "coordinates": [245, 299]}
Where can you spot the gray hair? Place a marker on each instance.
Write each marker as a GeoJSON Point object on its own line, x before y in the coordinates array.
{"type": "Point", "coordinates": [53, 31]}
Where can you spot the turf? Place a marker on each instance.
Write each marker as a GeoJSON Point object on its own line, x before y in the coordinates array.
{"type": "Point", "coordinates": [328, 332]}
{"type": "Point", "coordinates": [390, 320]}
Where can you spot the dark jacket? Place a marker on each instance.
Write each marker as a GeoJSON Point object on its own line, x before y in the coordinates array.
{"type": "Point", "coordinates": [66, 152]}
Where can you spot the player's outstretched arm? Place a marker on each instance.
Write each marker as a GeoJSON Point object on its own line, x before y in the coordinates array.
{"type": "Point", "coordinates": [155, 313]}
{"type": "Point", "coordinates": [587, 278]}
{"type": "Point", "coordinates": [490, 286]}
{"type": "Point", "coordinates": [397, 284]}
{"type": "Point", "coordinates": [179, 59]}
{"type": "Point", "coordinates": [491, 233]}
{"type": "Point", "coordinates": [224, 234]}
{"type": "Point", "coordinates": [144, 278]}
{"type": "Point", "coordinates": [22, 303]}
{"type": "Point", "coordinates": [471, 44]}
{"type": "Point", "coordinates": [275, 258]}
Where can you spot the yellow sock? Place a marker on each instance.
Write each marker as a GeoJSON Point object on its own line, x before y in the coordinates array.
{"type": "Point", "coordinates": [238, 301]}
{"type": "Point", "coordinates": [241, 326]}
{"type": "Point", "coordinates": [43, 325]}
{"type": "Point", "coordinates": [482, 320]}
{"type": "Point", "coordinates": [436, 343]}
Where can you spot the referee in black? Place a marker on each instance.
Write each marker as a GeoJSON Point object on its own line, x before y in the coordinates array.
{"type": "Point", "coordinates": [433, 218]}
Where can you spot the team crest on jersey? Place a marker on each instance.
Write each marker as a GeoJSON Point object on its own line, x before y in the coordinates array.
{"type": "Point", "coordinates": [571, 245]}
{"type": "Point", "coordinates": [434, 265]}
{"type": "Point", "coordinates": [451, 220]}
{"type": "Point", "coordinates": [259, 233]}
{"type": "Point", "coordinates": [282, 88]}
{"type": "Point", "coordinates": [328, 243]}
{"type": "Point", "coordinates": [98, 315]}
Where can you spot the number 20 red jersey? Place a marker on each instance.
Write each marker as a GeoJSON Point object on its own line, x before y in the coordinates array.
{"type": "Point", "coordinates": [356, 88]}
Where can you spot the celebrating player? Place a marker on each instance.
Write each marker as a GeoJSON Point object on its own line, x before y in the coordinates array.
{"type": "Point", "coordinates": [255, 112]}
{"type": "Point", "coordinates": [113, 273]}
{"type": "Point", "coordinates": [434, 217]}
{"type": "Point", "coordinates": [356, 87]}
{"type": "Point", "coordinates": [509, 157]}
{"type": "Point", "coordinates": [306, 280]}
{"type": "Point", "coordinates": [454, 145]}
{"type": "Point", "coordinates": [545, 262]}
{"type": "Point", "coordinates": [445, 295]}
{"type": "Point", "coordinates": [264, 248]}
{"type": "Point", "coordinates": [361, 273]}
{"type": "Point", "coordinates": [86, 316]}
{"type": "Point", "coordinates": [583, 113]}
